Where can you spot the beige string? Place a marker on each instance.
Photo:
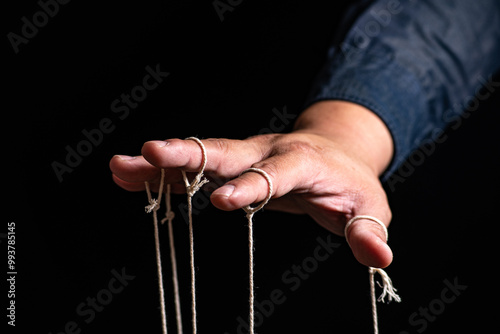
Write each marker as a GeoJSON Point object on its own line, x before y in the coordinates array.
{"type": "Point", "coordinates": [154, 205]}
{"type": "Point", "coordinates": [250, 212]}
{"type": "Point", "coordinates": [169, 216]}
{"type": "Point", "coordinates": [388, 288]}
{"type": "Point", "coordinates": [191, 189]}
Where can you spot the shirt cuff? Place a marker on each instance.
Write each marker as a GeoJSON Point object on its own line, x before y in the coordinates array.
{"type": "Point", "coordinates": [382, 86]}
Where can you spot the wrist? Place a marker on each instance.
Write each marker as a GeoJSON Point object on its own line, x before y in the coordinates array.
{"type": "Point", "coordinates": [359, 131]}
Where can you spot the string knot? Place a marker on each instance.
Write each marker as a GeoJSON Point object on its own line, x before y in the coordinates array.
{"type": "Point", "coordinates": [169, 216]}
{"type": "Point", "coordinates": [249, 212]}
{"type": "Point", "coordinates": [153, 205]}
{"type": "Point", "coordinates": [196, 184]}
{"type": "Point", "coordinates": [387, 287]}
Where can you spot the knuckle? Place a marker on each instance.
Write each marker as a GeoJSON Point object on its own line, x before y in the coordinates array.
{"type": "Point", "coordinates": [270, 168]}
{"type": "Point", "coordinates": [298, 145]}
{"type": "Point", "coordinates": [220, 145]}
{"type": "Point", "coordinates": [223, 148]}
{"type": "Point", "coordinates": [302, 147]}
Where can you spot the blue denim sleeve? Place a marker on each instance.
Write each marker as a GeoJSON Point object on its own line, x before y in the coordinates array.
{"type": "Point", "coordinates": [417, 64]}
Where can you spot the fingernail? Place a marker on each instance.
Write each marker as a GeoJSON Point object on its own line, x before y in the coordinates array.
{"type": "Point", "coordinates": [125, 157]}
{"type": "Point", "coordinates": [225, 191]}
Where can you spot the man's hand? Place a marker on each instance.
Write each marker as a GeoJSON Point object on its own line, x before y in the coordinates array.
{"type": "Point", "coordinates": [328, 168]}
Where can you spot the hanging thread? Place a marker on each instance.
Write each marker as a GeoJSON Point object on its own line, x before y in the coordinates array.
{"type": "Point", "coordinates": [169, 216]}
{"type": "Point", "coordinates": [250, 212]}
{"type": "Point", "coordinates": [191, 189]}
{"type": "Point", "coordinates": [387, 287]}
{"type": "Point", "coordinates": [154, 205]}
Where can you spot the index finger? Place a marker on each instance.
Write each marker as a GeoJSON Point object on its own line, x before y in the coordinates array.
{"type": "Point", "coordinates": [225, 157]}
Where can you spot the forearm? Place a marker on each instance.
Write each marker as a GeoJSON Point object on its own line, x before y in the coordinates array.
{"type": "Point", "coordinates": [419, 70]}
{"type": "Point", "coordinates": [352, 126]}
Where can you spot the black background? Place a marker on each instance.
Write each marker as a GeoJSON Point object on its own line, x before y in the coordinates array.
{"type": "Point", "coordinates": [225, 79]}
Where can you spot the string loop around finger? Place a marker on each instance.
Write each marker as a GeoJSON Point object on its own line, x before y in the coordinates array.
{"type": "Point", "coordinates": [249, 209]}
{"type": "Point", "coordinates": [373, 219]}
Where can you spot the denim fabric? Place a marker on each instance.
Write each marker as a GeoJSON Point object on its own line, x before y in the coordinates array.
{"type": "Point", "coordinates": [416, 64]}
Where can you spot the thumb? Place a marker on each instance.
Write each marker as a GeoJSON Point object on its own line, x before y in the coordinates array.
{"type": "Point", "coordinates": [368, 241]}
